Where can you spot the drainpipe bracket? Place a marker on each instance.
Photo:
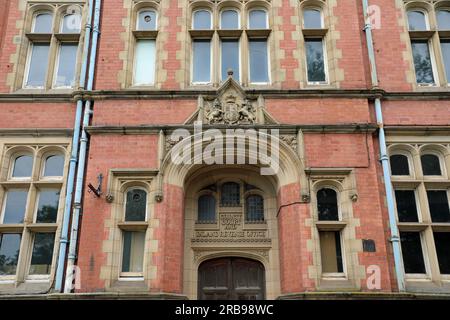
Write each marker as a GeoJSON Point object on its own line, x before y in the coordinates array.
{"type": "Point", "coordinates": [394, 239]}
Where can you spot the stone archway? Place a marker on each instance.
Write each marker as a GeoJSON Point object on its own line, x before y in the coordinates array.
{"type": "Point", "coordinates": [231, 235]}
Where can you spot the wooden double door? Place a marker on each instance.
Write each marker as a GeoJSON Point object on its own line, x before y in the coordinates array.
{"type": "Point", "coordinates": [231, 279]}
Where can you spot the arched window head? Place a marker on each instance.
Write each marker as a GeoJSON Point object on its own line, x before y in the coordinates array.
{"type": "Point", "coordinates": [254, 208]}
{"type": "Point", "coordinates": [229, 19]}
{"type": "Point", "coordinates": [430, 165]}
{"type": "Point", "coordinates": [146, 20]}
{"type": "Point", "coordinates": [23, 165]}
{"type": "Point", "coordinates": [43, 22]}
{"type": "Point", "coordinates": [399, 165]}
{"type": "Point", "coordinates": [136, 205]}
{"type": "Point", "coordinates": [71, 23]}
{"type": "Point", "coordinates": [443, 19]}
{"type": "Point", "coordinates": [201, 20]}
{"type": "Point", "coordinates": [312, 19]}
{"type": "Point", "coordinates": [257, 19]}
{"type": "Point", "coordinates": [206, 208]}
{"type": "Point", "coordinates": [230, 194]}
{"type": "Point", "coordinates": [417, 20]}
{"type": "Point", "coordinates": [54, 166]}
{"type": "Point", "coordinates": [327, 205]}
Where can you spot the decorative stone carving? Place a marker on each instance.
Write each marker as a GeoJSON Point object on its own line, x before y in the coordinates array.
{"type": "Point", "coordinates": [230, 111]}
{"type": "Point", "coordinates": [231, 229]}
{"type": "Point", "coordinates": [290, 140]}
{"type": "Point", "coordinates": [170, 143]}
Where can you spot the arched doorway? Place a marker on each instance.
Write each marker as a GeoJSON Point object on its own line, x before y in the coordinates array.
{"type": "Point", "coordinates": [231, 278]}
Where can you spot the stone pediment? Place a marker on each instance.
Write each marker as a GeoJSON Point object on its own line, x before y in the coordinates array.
{"type": "Point", "coordinates": [231, 106]}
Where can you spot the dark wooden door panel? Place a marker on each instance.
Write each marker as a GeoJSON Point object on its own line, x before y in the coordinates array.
{"type": "Point", "coordinates": [231, 278]}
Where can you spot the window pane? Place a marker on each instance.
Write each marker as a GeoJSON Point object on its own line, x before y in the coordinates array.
{"type": "Point", "coordinates": [41, 258]}
{"type": "Point", "coordinates": [416, 20]}
{"type": "Point", "coordinates": [16, 201]}
{"type": "Point", "coordinates": [71, 23]}
{"type": "Point", "coordinates": [445, 46]}
{"type": "Point", "coordinates": [254, 208]}
{"type": "Point", "coordinates": [9, 253]}
{"type": "Point", "coordinates": [442, 242]}
{"type": "Point", "coordinates": [206, 208]}
{"type": "Point", "coordinates": [43, 23]}
{"type": "Point", "coordinates": [202, 61]}
{"type": "Point", "coordinates": [133, 251]}
{"type": "Point", "coordinates": [314, 60]}
{"type": "Point", "coordinates": [23, 165]}
{"type": "Point", "coordinates": [146, 20]}
{"type": "Point", "coordinates": [136, 205]}
{"type": "Point", "coordinates": [229, 19]}
{"type": "Point", "coordinates": [144, 69]}
{"type": "Point", "coordinates": [443, 17]}
{"type": "Point", "coordinates": [438, 204]}
{"type": "Point", "coordinates": [422, 62]}
{"type": "Point", "coordinates": [406, 206]}
{"type": "Point", "coordinates": [231, 194]}
{"type": "Point", "coordinates": [257, 19]}
{"type": "Point", "coordinates": [430, 165]}
{"type": "Point", "coordinates": [202, 20]}
{"type": "Point", "coordinates": [259, 69]}
{"type": "Point", "coordinates": [399, 165]}
{"type": "Point", "coordinates": [47, 206]}
{"type": "Point", "coordinates": [331, 253]}
{"type": "Point", "coordinates": [312, 19]}
{"type": "Point", "coordinates": [54, 166]}
{"type": "Point", "coordinates": [327, 205]}
{"type": "Point", "coordinates": [38, 65]}
{"type": "Point", "coordinates": [65, 77]}
{"type": "Point", "coordinates": [230, 58]}
{"type": "Point", "coordinates": [412, 252]}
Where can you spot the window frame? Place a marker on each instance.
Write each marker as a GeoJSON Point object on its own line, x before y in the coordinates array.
{"type": "Point", "coordinates": [131, 276]}
{"type": "Point", "coordinates": [238, 40]}
{"type": "Point", "coordinates": [61, 23]}
{"type": "Point", "coordinates": [338, 202]}
{"type": "Point", "coordinates": [419, 276]}
{"type": "Point", "coordinates": [33, 21]}
{"type": "Point", "coordinates": [211, 63]}
{"type": "Point", "coordinates": [39, 277]}
{"type": "Point", "coordinates": [44, 164]}
{"type": "Point", "coordinates": [322, 18]}
{"type": "Point", "coordinates": [269, 67]}
{"type": "Point", "coordinates": [13, 162]}
{"type": "Point", "coordinates": [128, 189]}
{"type": "Point", "coordinates": [238, 15]}
{"type": "Point", "coordinates": [335, 275]}
{"type": "Point", "coordinates": [36, 204]}
{"type": "Point", "coordinates": [138, 12]}
{"type": "Point", "coordinates": [426, 17]}
{"type": "Point", "coordinates": [211, 17]}
{"type": "Point", "coordinates": [133, 80]}
{"type": "Point", "coordinates": [28, 66]}
{"type": "Point", "coordinates": [258, 9]}
{"type": "Point", "coordinates": [264, 213]}
{"type": "Point", "coordinates": [325, 63]}
{"type": "Point", "coordinates": [420, 215]}
{"type": "Point", "coordinates": [410, 165]}
{"type": "Point", "coordinates": [56, 65]}
{"type": "Point", "coordinates": [441, 164]}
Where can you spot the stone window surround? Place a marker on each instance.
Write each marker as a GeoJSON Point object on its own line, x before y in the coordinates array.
{"type": "Point", "coordinates": [55, 38]}
{"type": "Point", "coordinates": [323, 34]}
{"type": "Point", "coordinates": [40, 149]}
{"type": "Point", "coordinates": [242, 35]}
{"type": "Point", "coordinates": [434, 36]}
{"type": "Point", "coordinates": [119, 182]}
{"type": "Point", "coordinates": [343, 181]}
{"type": "Point", "coordinates": [416, 181]}
{"type": "Point", "coordinates": [135, 35]}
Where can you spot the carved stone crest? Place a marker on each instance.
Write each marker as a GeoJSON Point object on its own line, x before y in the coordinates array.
{"type": "Point", "coordinates": [231, 111]}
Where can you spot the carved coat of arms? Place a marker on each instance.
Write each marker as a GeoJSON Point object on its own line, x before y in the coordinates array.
{"type": "Point", "coordinates": [230, 112]}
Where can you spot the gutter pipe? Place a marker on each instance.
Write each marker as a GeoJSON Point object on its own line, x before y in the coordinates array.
{"type": "Point", "coordinates": [395, 236]}
{"type": "Point", "coordinates": [74, 153]}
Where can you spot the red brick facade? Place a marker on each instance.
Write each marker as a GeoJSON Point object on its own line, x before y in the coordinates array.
{"type": "Point", "coordinates": [338, 126]}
